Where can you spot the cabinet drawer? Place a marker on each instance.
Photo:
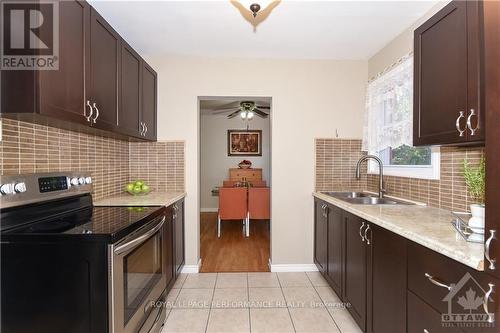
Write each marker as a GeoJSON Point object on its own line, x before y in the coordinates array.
{"type": "Point", "coordinates": [422, 261]}
{"type": "Point", "coordinates": [245, 174]}
{"type": "Point", "coordinates": [423, 318]}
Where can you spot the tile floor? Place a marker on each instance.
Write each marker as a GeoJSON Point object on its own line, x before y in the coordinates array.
{"type": "Point", "coordinates": [255, 302]}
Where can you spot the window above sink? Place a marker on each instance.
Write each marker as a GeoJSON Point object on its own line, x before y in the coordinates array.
{"type": "Point", "coordinates": [388, 131]}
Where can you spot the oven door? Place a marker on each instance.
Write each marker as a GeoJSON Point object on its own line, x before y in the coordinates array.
{"type": "Point", "coordinates": [139, 277]}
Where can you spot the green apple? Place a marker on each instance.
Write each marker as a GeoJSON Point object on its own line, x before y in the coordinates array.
{"type": "Point", "coordinates": [130, 187]}
{"type": "Point", "coordinates": [137, 189]}
{"type": "Point", "coordinates": [139, 183]}
{"type": "Point", "coordinates": [145, 188]}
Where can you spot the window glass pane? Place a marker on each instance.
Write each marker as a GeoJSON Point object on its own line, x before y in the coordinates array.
{"type": "Point", "coordinates": [405, 155]}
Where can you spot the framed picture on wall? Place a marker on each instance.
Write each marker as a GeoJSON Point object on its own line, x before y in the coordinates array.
{"type": "Point", "coordinates": [244, 143]}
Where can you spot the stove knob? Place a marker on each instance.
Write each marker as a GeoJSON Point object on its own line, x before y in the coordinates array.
{"type": "Point", "coordinates": [20, 187]}
{"type": "Point", "coordinates": [74, 181]}
{"type": "Point", "coordinates": [88, 180]}
{"type": "Point", "coordinates": [7, 189]}
{"type": "Point", "coordinates": [81, 180]}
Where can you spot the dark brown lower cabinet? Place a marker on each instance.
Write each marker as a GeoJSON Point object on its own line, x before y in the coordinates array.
{"type": "Point", "coordinates": [422, 318]}
{"type": "Point", "coordinates": [169, 246]}
{"type": "Point", "coordinates": [355, 278]}
{"type": "Point", "coordinates": [320, 235]}
{"type": "Point", "coordinates": [335, 242]}
{"type": "Point", "coordinates": [386, 281]}
{"type": "Point", "coordinates": [179, 249]}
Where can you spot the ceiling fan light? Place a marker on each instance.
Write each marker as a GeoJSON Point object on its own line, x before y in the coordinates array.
{"type": "Point", "coordinates": [243, 114]}
{"type": "Point", "coordinates": [250, 115]}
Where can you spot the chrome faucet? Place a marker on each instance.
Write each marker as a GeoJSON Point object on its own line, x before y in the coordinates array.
{"type": "Point", "coordinates": [381, 189]}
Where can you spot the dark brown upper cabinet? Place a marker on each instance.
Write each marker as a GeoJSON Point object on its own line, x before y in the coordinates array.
{"type": "Point", "coordinates": [129, 115]}
{"type": "Point", "coordinates": [104, 73]}
{"type": "Point", "coordinates": [149, 101]}
{"type": "Point", "coordinates": [102, 85]}
{"type": "Point", "coordinates": [58, 94]}
{"type": "Point", "coordinates": [448, 103]}
{"type": "Point", "coordinates": [321, 235]}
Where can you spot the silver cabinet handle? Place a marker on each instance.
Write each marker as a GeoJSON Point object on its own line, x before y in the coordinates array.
{"type": "Point", "coordinates": [91, 111]}
{"type": "Point", "coordinates": [146, 129]}
{"type": "Point", "coordinates": [457, 124]}
{"type": "Point", "coordinates": [361, 232]}
{"type": "Point", "coordinates": [141, 129]}
{"type": "Point", "coordinates": [96, 112]}
{"type": "Point", "coordinates": [323, 208]}
{"type": "Point", "coordinates": [469, 122]}
{"type": "Point", "coordinates": [436, 282]}
{"type": "Point", "coordinates": [426, 330]}
{"type": "Point", "coordinates": [487, 295]}
{"type": "Point", "coordinates": [366, 231]}
{"type": "Point", "coordinates": [487, 245]}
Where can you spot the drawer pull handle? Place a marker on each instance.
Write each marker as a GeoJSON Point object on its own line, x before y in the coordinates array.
{"type": "Point", "coordinates": [486, 300]}
{"type": "Point", "coordinates": [436, 282]}
{"type": "Point", "coordinates": [457, 124]}
{"type": "Point", "coordinates": [361, 232]}
{"type": "Point", "coordinates": [492, 261]}
{"type": "Point", "coordinates": [426, 330]}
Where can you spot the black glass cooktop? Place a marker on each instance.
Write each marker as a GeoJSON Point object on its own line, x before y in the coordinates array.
{"type": "Point", "coordinates": [77, 217]}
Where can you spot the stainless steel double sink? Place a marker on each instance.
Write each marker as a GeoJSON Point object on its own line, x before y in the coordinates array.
{"type": "Point", "coordinates": [362, 198]}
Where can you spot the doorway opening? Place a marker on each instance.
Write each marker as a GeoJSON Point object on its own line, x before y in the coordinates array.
{"type": "Point", "coordinates": [235, 183]}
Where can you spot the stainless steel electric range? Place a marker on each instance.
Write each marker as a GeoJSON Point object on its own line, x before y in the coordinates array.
{"type": "Point", "coordinates": [67, 266]}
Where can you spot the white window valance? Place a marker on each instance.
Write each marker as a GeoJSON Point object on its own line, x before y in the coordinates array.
{"type": "Point", "coordinates": [389, 109]}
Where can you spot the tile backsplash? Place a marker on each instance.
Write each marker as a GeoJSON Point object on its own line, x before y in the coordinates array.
{"type": "Point", "coordinates": [335, 168]}
{"type": "Point", "coordinates": [29, 148]}
{"type": "Point", "coordinates": [336, 164]}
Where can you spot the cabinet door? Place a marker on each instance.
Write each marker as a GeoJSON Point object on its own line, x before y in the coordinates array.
{"type": "Point", "coordinates": [492, 104]}
{"type": "Point", "coordinates": [387, 285]}
{"type": "Point", "coordinates": [179, 236]}
{"type": "Point", "coordinates": [335, 264]}
{"type": "Point", "coordinates": [63, 91]}
{"type": "Point", "coordinates": [320, 235]}
{"type": "Point", "coordinates": [104, 72]}
{"type": "Point", "coordinates": [169, 246]}
{"type": "Point", "coordinates": [130, 91]}
{"type": "Point", "coordinates": [440, 77]}
{"type": "Point", "coordinates": [149, 99]}
{"type": "Point", "coordinates": [355, 268]}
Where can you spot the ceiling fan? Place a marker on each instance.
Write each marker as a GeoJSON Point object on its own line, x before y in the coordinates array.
{"type": "Point", "coordinates": [247, 110]}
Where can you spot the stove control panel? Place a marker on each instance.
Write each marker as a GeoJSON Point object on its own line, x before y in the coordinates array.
{"type": "Point", "coordinates": [22, 189]}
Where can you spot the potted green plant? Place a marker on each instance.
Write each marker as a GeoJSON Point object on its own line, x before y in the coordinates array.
{"type": "Point", "coordinates": [475, 177]}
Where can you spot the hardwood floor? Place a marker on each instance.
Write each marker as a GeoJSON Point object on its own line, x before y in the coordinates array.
{"type": "Point", "coordinates": [232, 252]}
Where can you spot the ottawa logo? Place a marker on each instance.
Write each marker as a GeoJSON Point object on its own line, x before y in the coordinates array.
{"type": "Point", "coordinates": [468, 305]}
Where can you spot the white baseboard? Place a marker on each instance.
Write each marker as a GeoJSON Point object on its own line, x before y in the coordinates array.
{"type": "Point", "coordinates": [209, 210]}
{"type": "Point", "coordinates": [294, 268]}
{"type": "Point", "coordinates": [190, 269]}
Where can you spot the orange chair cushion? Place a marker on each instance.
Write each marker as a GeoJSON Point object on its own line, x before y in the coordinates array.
{"type": "Point", "coordinates": [232, 203]}
{"type": "Point", "coordinates": [259, 203]}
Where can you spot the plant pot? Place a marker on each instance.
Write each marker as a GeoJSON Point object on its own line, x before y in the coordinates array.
{"type": "Point", "coordinates": [476, 222]}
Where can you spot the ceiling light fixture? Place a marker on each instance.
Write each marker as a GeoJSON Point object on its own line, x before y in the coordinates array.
{"type": "Point", "coordinates": [255, 7]}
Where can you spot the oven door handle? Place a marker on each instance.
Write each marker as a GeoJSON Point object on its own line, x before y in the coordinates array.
{"type": "Point", "coordinates": [138, 240]}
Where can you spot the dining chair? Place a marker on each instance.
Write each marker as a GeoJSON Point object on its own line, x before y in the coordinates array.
{"type": "Point", "coordinates": [232, 206]}
{"type": "Point", "coordinates": [259, 205]}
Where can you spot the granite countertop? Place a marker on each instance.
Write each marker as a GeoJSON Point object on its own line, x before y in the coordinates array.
{"type": "Point", "coordinates": [428, 226]}
{"type": "Point", "coordinates": [151, 199]}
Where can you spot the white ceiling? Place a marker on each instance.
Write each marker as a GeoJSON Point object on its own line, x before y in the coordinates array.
{"type": "Point", "coordinates": [293, 30]}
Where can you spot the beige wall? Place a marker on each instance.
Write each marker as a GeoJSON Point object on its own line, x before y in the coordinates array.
{"type": "Point", "coordinates": [399, 46]}
{"type": "Point", "coordinates": [214, 160]}
{"type": "Point", "coordinates": [310, 99]}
